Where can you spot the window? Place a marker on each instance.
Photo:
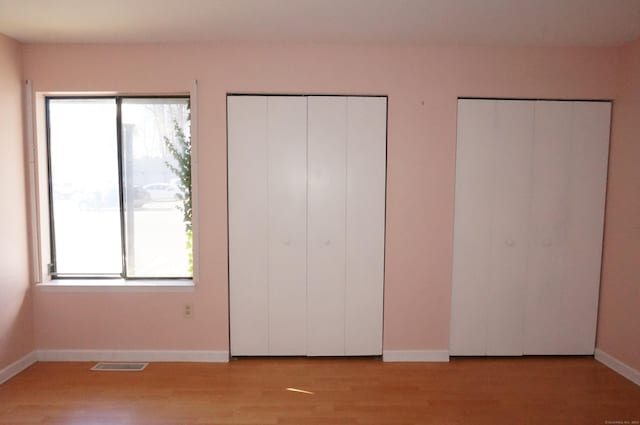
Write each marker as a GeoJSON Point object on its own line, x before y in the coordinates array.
{"type": "Point", "coordinates": [120, 187]}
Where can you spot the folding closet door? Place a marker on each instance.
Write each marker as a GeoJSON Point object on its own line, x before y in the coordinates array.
{"type": "Point", "coordinates": [491, 226]}
{"type": "Point", "coordinates": [365, 224]}
{"type": "Point", "coordinates": [326, 259]}
{"type": "Point", "coordinates": [589, 164]}
{"type": "Point", "coordinates": [588, 176]}
{"type": "Point", "coordinates": [567, 214]}
{"type": "Point", "coordinates": [548, 227]}
{"type": "Point", "coordinates": [530, 185]}
{"type": "Point", "coordinates": [472, 229]}
{"type": "Point", "coordinates": [267, 224]}
{"type": "Point", "coordinates": [510, 224]}
{"type": "Point", "coordinates": [306, 224]}
{"type": "Point", "coordinates": [248, 225]}
{"type": "Point", "coordinates": [287, 197]}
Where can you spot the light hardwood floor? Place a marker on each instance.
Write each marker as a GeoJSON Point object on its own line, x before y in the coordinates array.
{"type": "Point", "coordinates": [340, 391]}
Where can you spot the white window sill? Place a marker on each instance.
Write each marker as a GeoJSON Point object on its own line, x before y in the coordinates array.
{"type": "Point", "coordinates": [116, 285]}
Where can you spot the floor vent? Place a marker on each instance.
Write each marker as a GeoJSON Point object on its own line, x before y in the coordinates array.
{"type": "Point", "coordinates": [120, 367]}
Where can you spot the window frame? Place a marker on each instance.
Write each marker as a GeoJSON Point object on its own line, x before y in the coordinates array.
{"type": "Point", "coordinates": [108, 277]}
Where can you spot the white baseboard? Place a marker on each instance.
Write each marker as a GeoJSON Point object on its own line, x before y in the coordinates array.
{"type": "Point", "coordinates": [18, 366]}
{"type": "Point", "coordinates": [133, 356]}
{"type": "Point", "coordinates": [623, 369]}
{"type": "Point", "coordinates": [415, 356]}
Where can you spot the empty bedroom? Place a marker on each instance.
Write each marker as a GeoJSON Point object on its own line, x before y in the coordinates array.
{"type": "Point", "coordinates": [319, 212]}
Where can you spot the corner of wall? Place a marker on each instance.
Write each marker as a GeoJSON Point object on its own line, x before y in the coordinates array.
{"type": "Point", "coordinates": [618, 321]}
{"type": "Point", "coordinates": [16, 304]}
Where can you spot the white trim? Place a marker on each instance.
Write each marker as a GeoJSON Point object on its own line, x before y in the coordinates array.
{"type": "Point", "coordinates": [18, 366]}
{"type": "Point", "coordinates": [195, 199]}
{"type": "Point", "coordinates": [616, 365]}
{"type": "Point", "coordinates": [30, 149]}
{"type": "Point", "coordinates": [415, 356]}
{"type": "Point", "coordinates": [116, 285]}
{"type": "Point", "coordinates": [200, 356]}
{"type": "Point", "coordinates": [40, 188]}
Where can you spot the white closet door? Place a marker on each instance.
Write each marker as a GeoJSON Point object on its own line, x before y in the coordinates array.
{"type": "Point", "coordinates": [327, 136]}
{"type": "Point", "coordinates": [365, 197]}
{"type": "Point", "coordinates": [248, 225]}
{"type": "Point", "coordinates": [548, 227]}
{"type": "Point", "coordinates": [589, 162]}
{"type": "Point", "coordinates": [491, 226]}
{"type": "Point", "coordinates": [472, 227]}
{"type": "Point", "coordinates": [570, 168]}
{"type": "Point", "coordinates": [287, 187]}
{"type": "Point", "coordinates": [509, 248]}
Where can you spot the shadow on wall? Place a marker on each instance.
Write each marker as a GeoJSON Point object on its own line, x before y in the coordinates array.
{"type": "Point", "coordinates": [16, 325]}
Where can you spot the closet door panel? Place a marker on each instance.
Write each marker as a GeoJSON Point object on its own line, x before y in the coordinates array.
{"type": "Point", "coordinates": [509, 248]}
{"type": "Point", "coordinates": [365, 197]}
{"type": "Point", "coordinates": [545, 296]}
{"type": "Point", "coordinates": [567, 218]}
{"type": "Point", "coordinates": [327, 132]}
{"type": "Point", "coordinates": [545, 201]}
{"type": "Point", "coordinates": [588, 180]}
{"type": "Point", "coordinates": [287, 205]}
{"type": "Point", "coordinates": [472, 226]}
{"type": "Point", "coordinates": [248, 226]}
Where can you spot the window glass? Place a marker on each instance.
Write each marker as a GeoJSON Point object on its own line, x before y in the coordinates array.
{"type": "Point", "coordinates": [84, 185]}
{"type": "Point", "coordinates": [94, 164]}
{"type": "Point", "coordinates": [155, 135]}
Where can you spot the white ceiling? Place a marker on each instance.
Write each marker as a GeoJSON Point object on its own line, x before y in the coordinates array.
{"type": "Point", "coordinates": [457, 22]}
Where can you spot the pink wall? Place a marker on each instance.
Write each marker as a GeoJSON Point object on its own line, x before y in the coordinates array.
{"type": "Point", "coordinates": [619, 323]}
{"type": "Point", "coordinates": [16, 310]}
{"type": "Point", "coordinates": [422, 84]}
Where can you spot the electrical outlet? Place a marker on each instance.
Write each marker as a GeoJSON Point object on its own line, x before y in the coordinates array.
{"type": "Point", "coordinates": [187, 312]}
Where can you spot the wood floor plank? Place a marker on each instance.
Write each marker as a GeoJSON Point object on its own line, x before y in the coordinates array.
{"type": "Point", "coordinates": [536, 390]}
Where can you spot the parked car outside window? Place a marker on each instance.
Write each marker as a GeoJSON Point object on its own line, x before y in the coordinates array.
{"type": "Point", "coordinates": [162, 192]}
